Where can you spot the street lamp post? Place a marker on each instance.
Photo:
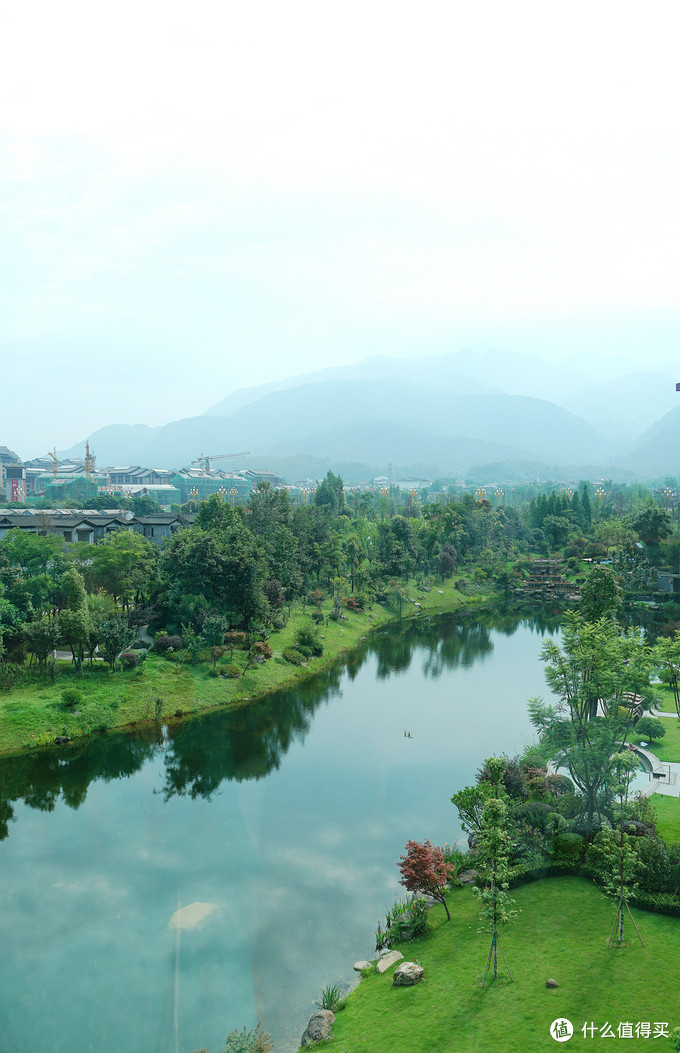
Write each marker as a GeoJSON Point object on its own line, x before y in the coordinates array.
{"type": "Point", "coordinates": [233, 493]}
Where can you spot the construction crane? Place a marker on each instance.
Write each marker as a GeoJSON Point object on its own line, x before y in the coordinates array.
{"type": "Point", "coordinates": [55, 462]}
{"type": "Point", "coordinates": [204, 462]}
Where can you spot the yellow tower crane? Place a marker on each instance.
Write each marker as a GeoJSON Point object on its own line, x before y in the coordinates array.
{"type": "Point", "coordinates": [204, 462]}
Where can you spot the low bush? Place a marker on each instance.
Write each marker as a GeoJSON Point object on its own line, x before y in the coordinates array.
{"type": "Point", "coordinates": [308, 636]}
{"type": "Point", "coordinates": [231, 672]}
{"type": "Point", "coordinates": [292, 655]}
{"type": "Point", "coordinates": [129, 659]}
{"type": "Point", "coordinates": [71, 696]}
{"type": "Point", "coordinates": [660, 902]}
{"type": "Point", "coordinates": [569, 847]}
{"type": "Point", "coordinates": [165, 643]}
{"type": "Point", "coordinates": [523, 873]}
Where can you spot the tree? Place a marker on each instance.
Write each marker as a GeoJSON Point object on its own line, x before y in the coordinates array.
{"type": "Point", "coordinates": [556, 528]}
{"type": "Point", "coordinates": [74, 622]}
{"type": "Point", "coordinates": [615, 849]}
{"type": "Point", "coordinates": [354, 554]}
{"type": "Point", "coordinates": [601, 595]}
{"type": "Point", "coordinates": [122, 565]}
{"type": "Point", "coordinates": [598, 664]}
{"type": "Point", "coordinates": [424, 870]}
{"type": "Point", "coordinates": [470, 803]}
{"type": "Point", "coordinates": [115, 636]}
{"type": "Point", "coordinates": [330, 494]}
{"type": "Point", "coordinates": [493, 845]}
{"type": "Point", "coordinates": [652, 525]}
{"type": "Point", "coordinates": [41, 638]}
{"type": "Point", "coordinates": [650, 728]}
{"type": "Point", "coordinates": [667, 655]}
{"type": "Point", "coordinates": [447, 560]}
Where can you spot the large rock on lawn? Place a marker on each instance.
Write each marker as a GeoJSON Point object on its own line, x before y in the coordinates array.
{"type": "Point", "coordinates": [387, 960]}
{"type": "Point", "coordinates": [318, 1027]}
{"type": "Point", "coordinates": [407, 974]}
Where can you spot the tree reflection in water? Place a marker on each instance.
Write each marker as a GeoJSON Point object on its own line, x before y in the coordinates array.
{"type": "Point", "coordinates": [248, 743]}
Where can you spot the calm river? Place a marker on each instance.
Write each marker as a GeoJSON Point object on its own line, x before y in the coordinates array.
{"type": "Point", "coordinates": [286, 820]}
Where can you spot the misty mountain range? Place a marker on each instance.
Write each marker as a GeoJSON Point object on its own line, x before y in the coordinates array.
{"type": "Point", "coordinates": [496, 414]}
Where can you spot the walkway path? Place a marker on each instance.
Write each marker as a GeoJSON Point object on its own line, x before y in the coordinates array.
{"type": "Point", "coordinates": [667, 781]}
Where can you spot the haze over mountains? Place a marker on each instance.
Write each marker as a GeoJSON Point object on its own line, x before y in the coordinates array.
{"type": "Point", "coordinates": [512, 415]}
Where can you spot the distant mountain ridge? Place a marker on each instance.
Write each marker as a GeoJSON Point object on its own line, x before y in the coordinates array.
{"type": "Point", "coordinates": [449, 412]}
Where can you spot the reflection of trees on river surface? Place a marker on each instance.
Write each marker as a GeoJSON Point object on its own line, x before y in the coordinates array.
{"type": "Point", "coordinates": [248, 743]}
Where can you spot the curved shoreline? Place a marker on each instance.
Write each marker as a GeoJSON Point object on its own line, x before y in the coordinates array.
{"type": "Point", "coordinates": [31, 717]}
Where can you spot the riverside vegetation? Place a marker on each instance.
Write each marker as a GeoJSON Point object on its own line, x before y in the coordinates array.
{"type": "Point", "coordinates": [225, 628]}
{"type": "Point", "coordinates": [238, 603]}
{"type": "Point", "coordinates": [249, 596]}
{"type": "Point", "coordinates": [578, 862]}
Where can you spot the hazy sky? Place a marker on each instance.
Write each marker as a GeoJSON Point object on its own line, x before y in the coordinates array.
{"type": "Point", "coordinates": [201, 196]}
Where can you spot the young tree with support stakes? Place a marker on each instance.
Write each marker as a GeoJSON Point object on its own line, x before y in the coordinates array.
{"type": "Point", "coordinates": [615, 847]}
{"type": "Point", "coordinates": [492, 861]}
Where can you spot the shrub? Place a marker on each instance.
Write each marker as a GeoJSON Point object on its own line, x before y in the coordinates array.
{"type": "Point", "coordinates": [659, 865]}
{"type": "Point", "coordinates": [235, 640]}
{"type": "Point", "coordinates": [213, 672]}
{"type": "Point", "coordinates": [352, 604]}
{"type": "Point", "coordinates": [129, 659]}
{"type": "Point", "coordinates": [260, 647]}
{"type": "Point", "coordinates": [317, 616]}
{"type": "Point", "coordinates": [71, 696]}
{"type": "Point", "coordinates": [569, 846]}
{"type": "Point", "coordinates": [164, 643]}
{"type": "Point", "coordinates": [525, 872]}
{"type": "Point", "coordinates": [231, 672]}
{"type": "Point", "coordinates": [661, 902]}
{"type": "Point", "coordinates": [292, 655]}
{"type": "Point", "coordinates": [308, 636]}
{"type": "Point", "coordinates": [255, 1041]}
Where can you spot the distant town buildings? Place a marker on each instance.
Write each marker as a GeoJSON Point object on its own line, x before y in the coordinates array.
{"type": "Point", "coordinates": [77, 480]}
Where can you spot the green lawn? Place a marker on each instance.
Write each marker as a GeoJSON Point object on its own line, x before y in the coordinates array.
{"type": "Point", "coordinates": [32, 713]}
{"type": "Point", "coordinates": [667, 808]}
{"type": "Point", "coordinates": [666, 702]}
{"type": "Point", "coordinates": [667, 748]}
{"type": "Point", "coordinates": [561, 932]}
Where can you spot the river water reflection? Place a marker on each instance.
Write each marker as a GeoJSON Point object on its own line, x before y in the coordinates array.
{"type": "Point", "coordinates": [288, 818]}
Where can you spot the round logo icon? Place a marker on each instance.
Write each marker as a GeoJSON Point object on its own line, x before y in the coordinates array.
{"type": "Point", "coordinates": [561, 1029]}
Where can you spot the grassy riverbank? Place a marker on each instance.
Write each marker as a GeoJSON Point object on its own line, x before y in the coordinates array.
{"type": "Point", "coordinates": [33, 713]}
{"type": "Point", "coordinates": [561, 932]}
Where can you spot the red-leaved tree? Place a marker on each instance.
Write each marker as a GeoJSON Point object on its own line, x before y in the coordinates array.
{"type": "Point", "coordinates": [424, 870]}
